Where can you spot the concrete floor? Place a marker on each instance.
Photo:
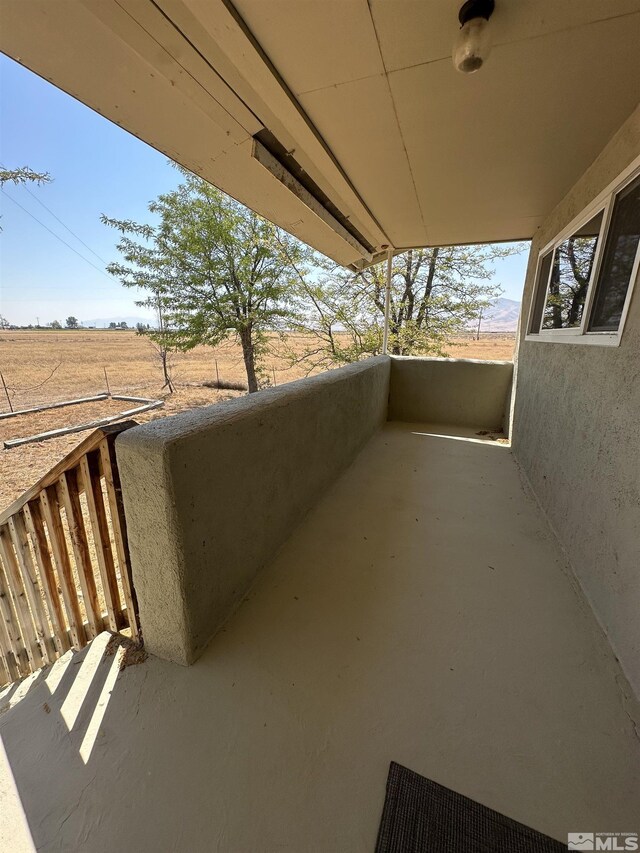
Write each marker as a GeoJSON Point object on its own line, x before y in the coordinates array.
{"type": "Point", "coordinates": [422, 613]}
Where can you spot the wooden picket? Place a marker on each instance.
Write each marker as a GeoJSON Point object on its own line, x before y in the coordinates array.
{"type": "Point", "coordinates": [65, 573]}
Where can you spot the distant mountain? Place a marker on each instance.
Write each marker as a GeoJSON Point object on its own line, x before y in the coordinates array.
{"type": "Point", "coordinates": [103, 322]}
{"type": "Point", "coordinates": [501, 317]}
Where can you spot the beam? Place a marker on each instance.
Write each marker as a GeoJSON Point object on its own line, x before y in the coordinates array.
{"type": "Point", "coordinates": [290, 182]}
{"type": "Point", "coordinates": [387, 303]}
{"type": "Point", "coordinates": [45, 407]}
{"type": "Point", "coordinates": [57, 433]}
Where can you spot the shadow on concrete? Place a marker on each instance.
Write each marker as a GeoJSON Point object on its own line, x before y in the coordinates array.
{"type": "Point", "coordinates": [421, 613]}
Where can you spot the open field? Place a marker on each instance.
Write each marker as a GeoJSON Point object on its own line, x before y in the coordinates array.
{"type": "Point", "coordinates": [42, 367]}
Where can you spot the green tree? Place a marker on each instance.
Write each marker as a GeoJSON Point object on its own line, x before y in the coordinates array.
{"type": "Point", "coordinates": [215, 269]}
{"type": "Point", "coordinates": [56, 324]}
{"type": "Point", "coordinates": [436, 293]}
{"type": "Point", "coordinates": [23, 175]}
{"type": "Point", "coordinates": [72, 322]}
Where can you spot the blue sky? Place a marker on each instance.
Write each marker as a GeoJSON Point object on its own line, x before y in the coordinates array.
{"type": "Point", "coordinates": [96, 168]}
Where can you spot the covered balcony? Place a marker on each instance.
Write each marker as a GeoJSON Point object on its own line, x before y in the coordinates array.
{"type": "Point", "coordinates": [420, 561]}
{"type": "Point", "coordinates": [411, 604]}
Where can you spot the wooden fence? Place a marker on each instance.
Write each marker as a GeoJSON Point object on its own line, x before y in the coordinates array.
{"type": "Point", "coordinates": [65, 574]}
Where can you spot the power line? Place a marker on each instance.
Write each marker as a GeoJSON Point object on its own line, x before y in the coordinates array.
{"type": "Point", "coordinates": [73, 233]}
{"type": "Point", "coordinates": [57, 236]}
{"type": "Point", "coordinates": [64, 225]}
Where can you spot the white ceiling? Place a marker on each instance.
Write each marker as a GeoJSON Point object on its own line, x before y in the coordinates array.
{"type": "Point", "coordinates": [363, 94]}
{"type": "Point", "coordinates": [442, 157]}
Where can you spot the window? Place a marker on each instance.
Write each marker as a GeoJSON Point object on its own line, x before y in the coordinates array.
{"type": "Point", "coordinates": [585, 277]}
{"type": "Point", "coordinates": [618, 261]}
{"type": "Point", "coordinates": [570, 276]}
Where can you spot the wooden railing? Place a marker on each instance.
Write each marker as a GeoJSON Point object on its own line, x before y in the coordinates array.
{"type": "Point", "coordinates": [65, 573]}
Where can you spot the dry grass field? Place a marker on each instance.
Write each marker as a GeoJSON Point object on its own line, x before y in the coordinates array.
{"type": "Point", "coordinates": [42, 367]}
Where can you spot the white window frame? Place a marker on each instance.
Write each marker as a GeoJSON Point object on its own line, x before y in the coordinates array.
{"type": "Point", "coordinates": [581, 334]}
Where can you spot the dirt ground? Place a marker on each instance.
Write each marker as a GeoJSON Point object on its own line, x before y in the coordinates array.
{"type": "Point", "coordinates": [491, 346]}
{"type": "Point", "coordinates": [42, 367]}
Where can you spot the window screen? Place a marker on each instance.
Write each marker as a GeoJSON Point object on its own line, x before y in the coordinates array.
{"type": "Point", "coordinates": [570, 275]}
{"type": "Point", "coordinates": [620, 251]}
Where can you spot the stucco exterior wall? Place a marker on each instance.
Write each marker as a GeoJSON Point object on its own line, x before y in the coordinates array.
{"type": "Point", "coordinates": [453, 391]}
{"type": "Point", "coordinates": [211, 495]}
{"type": "Point", "coordinates": [576, 434]}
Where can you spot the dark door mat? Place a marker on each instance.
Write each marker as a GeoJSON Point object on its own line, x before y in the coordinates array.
{"type": "Point", "coordinates": [420, 816]}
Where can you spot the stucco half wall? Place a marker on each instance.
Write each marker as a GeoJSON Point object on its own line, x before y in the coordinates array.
{"type": "Point", "coordinates": [211, 495]}
{"type": "Point", "coordinates": [454, 391]}
{"type": "Point", "coordinates": [576, 433]}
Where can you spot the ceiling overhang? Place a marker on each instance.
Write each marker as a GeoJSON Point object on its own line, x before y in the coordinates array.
{"type": "Point", "coordinates": [344, 121]}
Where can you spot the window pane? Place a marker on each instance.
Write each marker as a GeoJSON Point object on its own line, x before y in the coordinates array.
{"type": "Point", "coordinates": [617, 263]}
{"type": "Point", "coordinates": [570, 274]}
{"type": "Point", "coordinates": [544, 268]}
